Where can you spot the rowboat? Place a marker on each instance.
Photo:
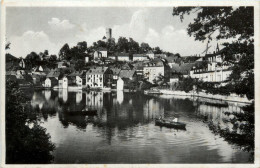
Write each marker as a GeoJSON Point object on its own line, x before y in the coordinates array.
{"type": "Point", "coordinates": [169, 124]}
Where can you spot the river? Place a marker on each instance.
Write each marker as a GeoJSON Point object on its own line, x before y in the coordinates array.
{"type": "Point", "coordinates": [124, 130]}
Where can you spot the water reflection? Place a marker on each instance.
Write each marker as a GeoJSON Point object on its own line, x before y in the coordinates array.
{"type": "Point", "coordinates": [124, 132]}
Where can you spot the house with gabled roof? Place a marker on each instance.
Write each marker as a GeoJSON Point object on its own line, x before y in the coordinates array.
{"type": "Point", "coordinates": [50, 82]}
{"type": "Point", "coordinates": [153, 69]}
{"type": "Point", "coordinates": [76, 78]}
{"type": "Point", "coordinates": [101, 52]}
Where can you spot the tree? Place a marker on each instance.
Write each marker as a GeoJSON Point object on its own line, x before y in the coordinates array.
{"type": "Point", "coordinates": [122, 45]}
{"type": "Point", "coordinates": [82, 46]}
{"type": "Point", "coordinates": [64, 52]}
{"type": "Point", "coordinates": [26, 141]}
{"type": "Point", "coordinates": [145, 47]}
{"type": "Point", "coordinates": [34, 59]}
{"type": "Point", "coordinates": [79, 65]}
{"type": "Point", "coordinates": [53, 58]}
{"type": "Point", "coordinates": [133, 46]}
{"type": "Point", "coordinates": [157, 50]}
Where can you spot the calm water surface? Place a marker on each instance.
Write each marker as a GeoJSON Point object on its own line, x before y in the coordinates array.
{"type": "Point", "coordinates": [124, 130]}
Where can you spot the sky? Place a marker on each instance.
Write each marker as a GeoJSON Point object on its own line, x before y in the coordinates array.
{"type": "Point", "coordinates": [49, 28]}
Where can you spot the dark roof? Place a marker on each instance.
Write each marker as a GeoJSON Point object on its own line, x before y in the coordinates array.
{"type": "Point", "coordinates": [140, 55]}
{"type": "Point", "coordinates": [173, 59]}
{"type": "Point", "coordinates": [115, 71]}
{"type": "Point", "coordinates": [76, 73]}
{"type": "Point", "coordinates": [53, 79]}
{"type": "Point", "coordinates": [53, 74]}
{"type": "Point", "coordinates": [183, 68]}
{"type": "Point", "coordinates": [154, 63]}
{"type": "Point", "coordinates": [96, 70]}
{"type": "Point", "coordinates": [127, 73]}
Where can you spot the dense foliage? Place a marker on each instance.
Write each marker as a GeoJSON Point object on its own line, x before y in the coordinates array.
{"type": "Point", "coordinates": [26, 141]}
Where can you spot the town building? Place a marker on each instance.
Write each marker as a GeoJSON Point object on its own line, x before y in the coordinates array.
{"type": "Point", "coordinates": [160, 55]}
{"type": "Point", "coordinates": [115, 78]}
{"type": "Point", "coordinates": [122, 57]}
{"type": "Point", "coordinates": [182, 70]}
{"type": "Point", "coordinates": [153, 69]}
{"type": "Point", "coordinates": [100, 53]}
{"type": "Point", "coordinates": [128, 74]}
{"type": "Point", "coordinates": [113, 57]}
{"type": "Point", "coordinates": [98, 77]}
{"type": "Point", "coordinates": [140, 57]}
{"type": "Point", "coordinates": [216, 69]}
{"type": "Point", "coordinates": [76, 79]}
{"type": "Point", "coordinates": [50, 82]}
{"type": "Point", "coordinates": [63, 82]}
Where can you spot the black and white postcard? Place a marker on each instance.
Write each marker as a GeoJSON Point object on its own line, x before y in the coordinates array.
{"type": "Point", "coordinates": [130, 84]}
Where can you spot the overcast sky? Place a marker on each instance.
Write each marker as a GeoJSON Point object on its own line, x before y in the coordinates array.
{"type": "Point", "coordinates": [39, 28]}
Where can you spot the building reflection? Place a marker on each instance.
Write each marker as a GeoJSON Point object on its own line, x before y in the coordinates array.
{"type": "Point", "coordinates": [63, 94]}
{"type": "Point", "coordinates": [78, 96]}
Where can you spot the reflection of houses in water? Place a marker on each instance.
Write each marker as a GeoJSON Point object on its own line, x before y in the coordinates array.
{"type": "Point", "coordinates": [63, 94]}
{"type": "Point", "coordinates": [152, 109]}
{"type": "Point", "coordinates": [120, 96]}
{"type": "Point", "coordinates": [94, 99]}
{"type": "Point", "coordinates": [47, 94]}
{"type": "Point", "coordinates": [79, 96]}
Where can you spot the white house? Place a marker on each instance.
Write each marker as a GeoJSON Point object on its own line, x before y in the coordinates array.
{"type": "Point", "coordinates": [140, 57]}
{"type": "Point", "coordinates": [95, 77]}
{"type": "Point", "coordinates": [50, 82]}
{"type": "Point", "coordinates": [123, 57]}
{"type": "Point", "coordinates": [119, 84]}
{"type": "Point", "coordinates": [153, 69]}
{"type": "Point", "coordinates": [113, 57]}
{"type": "Point", "coordinates": [63, 82]}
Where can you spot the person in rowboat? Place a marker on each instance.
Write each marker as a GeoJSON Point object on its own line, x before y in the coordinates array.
{"type": "Point", "coordinates": [175, 119]}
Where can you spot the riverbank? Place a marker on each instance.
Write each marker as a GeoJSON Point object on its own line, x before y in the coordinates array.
{"type": "Point", "coordinates": [231, 97]}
